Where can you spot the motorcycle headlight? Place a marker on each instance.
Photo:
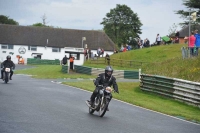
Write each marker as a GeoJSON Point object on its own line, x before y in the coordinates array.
{"type": "Point", "coordinates": [109, 89]}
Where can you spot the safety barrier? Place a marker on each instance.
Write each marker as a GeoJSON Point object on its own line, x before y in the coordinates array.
{"type": "Point", "coordinates": [182, 90]}
{"type": "Point", "coordinates": [117, 73]}
{"type": "Point", "coordinates": [64, 69]}
{"type": "Point", "coordinates": [33, 61]}
{"type": "Point", "coordinates": [186, 52]}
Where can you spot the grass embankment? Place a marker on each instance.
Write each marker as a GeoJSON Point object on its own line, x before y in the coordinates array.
{"type": "Point", "coordinates": [163, 60]}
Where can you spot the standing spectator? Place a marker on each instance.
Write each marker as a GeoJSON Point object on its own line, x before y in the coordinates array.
{"type": "Point", "coordinates": [89, 53]}
{"type": "Point", "coordinates": [107, 57]}
{"type": "Point", "coordinates": [99, 51]}
{"type": "Point", "coordinates": [197, 42]}
{"type": "Point", "coordinates": [102, 51]}
{"type": "Point", "coordinates": [71, 59]}
{"type": "Point", "coordinates": [177, 37]}
{"type": "Point", "coordinates": [158, 39]}
{"type": "Point", "coordinates": [191, 43]}
{"type": "Point", "coordinates": [64, 61]}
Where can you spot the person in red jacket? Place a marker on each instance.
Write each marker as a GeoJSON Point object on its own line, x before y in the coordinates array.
{"type": "Point", "coordinates": [191, 44]}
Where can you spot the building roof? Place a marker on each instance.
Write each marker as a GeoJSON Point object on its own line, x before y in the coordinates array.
{"type": "Point", "coordinates": [185, 31]}
{"type": "Point", "coordinates": [37, 36]}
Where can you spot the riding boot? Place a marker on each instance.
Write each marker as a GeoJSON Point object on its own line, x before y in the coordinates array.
{"type": "Point", "coordinates": [1, 74]}
{"type": "Point", "coordinates": [11, 75]}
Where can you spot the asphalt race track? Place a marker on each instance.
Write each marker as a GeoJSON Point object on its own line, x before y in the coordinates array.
{"type": "Point", "coordinates": [30, 105]}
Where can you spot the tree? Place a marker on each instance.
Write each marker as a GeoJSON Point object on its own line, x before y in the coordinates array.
{"type": "Point", "coordinates": [7, 20]}
{"type": "Point", "coordinates": [43, 24]}
{"type": "Point", "coordinates": [194, 5]}
{"type": "Point", "coordinates": [39, 25]}
{"type": "Point", "coordinates": [121, 23]}
{"type": "Point", "coordinates": [172, 29]}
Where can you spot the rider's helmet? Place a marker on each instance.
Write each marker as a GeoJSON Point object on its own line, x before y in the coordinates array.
{"type": "Point", "coordinates": [8, 57]}
{"type": "Point", "coordinates": [108, 71]}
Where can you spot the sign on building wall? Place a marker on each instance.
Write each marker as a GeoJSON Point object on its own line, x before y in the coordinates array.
{"type": "Point", "coordinates": [22, 50]}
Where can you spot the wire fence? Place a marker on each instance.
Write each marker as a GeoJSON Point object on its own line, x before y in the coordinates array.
{"type": "Point", "coordinates": [118, 62]}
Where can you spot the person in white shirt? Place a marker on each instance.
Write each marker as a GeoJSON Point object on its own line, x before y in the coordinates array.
{"type": "Point", "coordinates": [158, 39]}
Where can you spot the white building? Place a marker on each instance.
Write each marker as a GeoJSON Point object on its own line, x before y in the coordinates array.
{"type": "Point", "coordinates": [50, 43]}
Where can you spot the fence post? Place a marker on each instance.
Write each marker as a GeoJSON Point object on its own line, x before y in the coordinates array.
{"type": "Point", "coordinates": [183, 52]}
{"type": "Point", "coordinates": [139, 74]}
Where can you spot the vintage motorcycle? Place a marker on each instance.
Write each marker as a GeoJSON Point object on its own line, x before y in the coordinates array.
{"type": "Point", "coordinates": [101, 101]}
{"type": "Point", "coordinates": [6, 75]}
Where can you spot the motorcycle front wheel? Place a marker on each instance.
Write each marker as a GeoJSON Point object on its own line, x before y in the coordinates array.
{"type": "Point", "coordinates": [6, 78]}
{"type": "Point", "coordinates": [103, 107]}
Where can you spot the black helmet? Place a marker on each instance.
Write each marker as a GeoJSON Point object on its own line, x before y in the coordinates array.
{"type": "Point", "coordinates": [108, 71]}
{"type": "Point", "coordinates": [8, 57]}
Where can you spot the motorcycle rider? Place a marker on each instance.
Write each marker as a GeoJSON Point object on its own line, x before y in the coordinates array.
{"type": "Point", "coordinates": [105, 79]}
{"type": "Point", "coordinates": [7, 64]}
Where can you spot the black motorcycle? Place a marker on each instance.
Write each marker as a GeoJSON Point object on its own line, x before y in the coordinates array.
{"type": "Point", "coordinates": [101, 101]}
{"type": "Point", "coordinates": [6, 75]}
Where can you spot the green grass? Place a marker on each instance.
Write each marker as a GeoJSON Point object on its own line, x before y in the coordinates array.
{"type": "Point", "coordinates": [51, 72]}
{"type": "Point", "coordinates": [164, 60]}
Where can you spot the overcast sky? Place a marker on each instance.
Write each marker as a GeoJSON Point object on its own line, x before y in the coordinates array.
{"type": "Point", "coordinates": [157, 16]}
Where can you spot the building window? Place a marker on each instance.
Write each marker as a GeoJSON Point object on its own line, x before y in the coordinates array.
{"type": "Point", "coordinates": [3, 46]}
{"type": "Point", "coordinates": [76, 56]}
{"type": "Point", "coordinates": [55, 49]}
{"type": "Point", "coordinates": [10, 47]}
{"type": "Point", "coordinates": [32, 48]}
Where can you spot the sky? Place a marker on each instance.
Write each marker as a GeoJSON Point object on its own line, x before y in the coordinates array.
{"type": "Point", "coordinates": [157, 16]}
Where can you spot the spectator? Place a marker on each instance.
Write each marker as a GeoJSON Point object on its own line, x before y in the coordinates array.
{"type": "Point", "coordinates": [115, 51]}
{"type": "Point", "coordinates": [124, 49]}
{"type": "Point", "coordinates": [176, 40]}
{"type": "Point", "coordinates": [99, 51]}
{"type": "Point", "coordinates": [128, 47]}
{"type": "Point", "coordinates": [102, 52]}
{"type": "Point", "coordinates": [197, 42]}
{"type": "Point", "coordinates": [64, 61]}
{"type": "Point", "coordinates": [89, 53]}
{"type": "Point", "coordinates": [158, 39]}
{"type": "Point", "coordinates": [186, 39]}
{"type": "Point", "coordinates": [71, 59]}
{"type": "Point", "coordinates": [191, 43]}
{"type": "Point", "coordinates": [107, 57]}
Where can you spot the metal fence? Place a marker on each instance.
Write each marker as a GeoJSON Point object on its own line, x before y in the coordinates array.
{"type": "Point", "coordinates": [117, 73]}
{"type": "Point", "coordinates": [182, 90]}
{"type": "Point", "coordinates": [186, 52]}
{"type": "Point", "coordinates": [118, 62]}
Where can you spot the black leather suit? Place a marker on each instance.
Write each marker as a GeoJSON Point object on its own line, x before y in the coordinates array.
{"type": "Point", "coordinates": [105, 80]}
